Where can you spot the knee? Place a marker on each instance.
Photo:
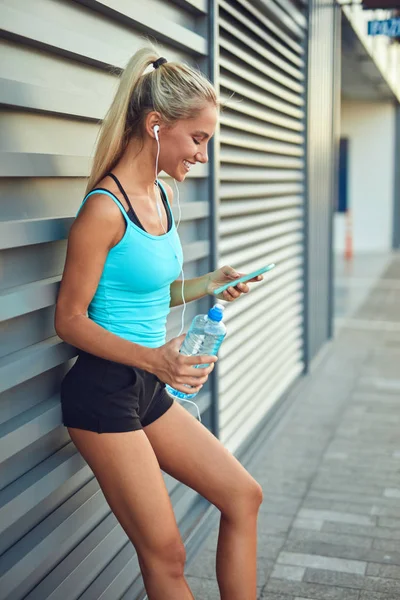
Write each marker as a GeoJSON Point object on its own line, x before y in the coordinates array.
{"type": "Point", "coordinates": [168, 558]}
{"type": "Point", "coordinates": [245, 501]}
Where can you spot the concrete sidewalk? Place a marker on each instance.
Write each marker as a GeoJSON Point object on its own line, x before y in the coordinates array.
{"type": "Point", "coordinates": [329, 527]}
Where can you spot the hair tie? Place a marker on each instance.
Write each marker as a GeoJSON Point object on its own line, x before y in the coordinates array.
{"type": "Point", "coordinates": [159, 61]}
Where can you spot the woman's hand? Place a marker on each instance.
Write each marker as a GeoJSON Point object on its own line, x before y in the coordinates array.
{"type": "Point", "coordinates": [224, 275]}
{"type": "Point", "coordinates": [178, 370]}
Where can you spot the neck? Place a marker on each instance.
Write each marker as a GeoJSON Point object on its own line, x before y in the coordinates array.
{"type": "Point", "coordinates": [136, 167]}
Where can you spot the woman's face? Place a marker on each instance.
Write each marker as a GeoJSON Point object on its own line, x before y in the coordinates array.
{"type": "Point", "coordinates": [185, 143]}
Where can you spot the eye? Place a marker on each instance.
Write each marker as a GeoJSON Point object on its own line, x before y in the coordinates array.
{"type": "Point", "coordinates": [196, 142]}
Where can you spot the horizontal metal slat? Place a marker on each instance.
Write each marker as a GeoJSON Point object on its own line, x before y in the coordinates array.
{"type": "Point", "coordinates": [282, 297]}
{"type": "Point", "coordinates": [244, 239]}
{"type": "Point", "coordinates": [281, 250]}
{"type": "Point", "coordinates": [255, 335]}
{"type": "Point", "coordinates": [262, 115]}
{"type": "Point", "coordinates": [285, 331]}
{"type": "Point", "coordinates": [252, 222]}
{"type": "Point", "coordinates": [14, 234]}
{"type": "Point", "coordinates": [236, 156]}
{"type": "Point", "coordinates": [290, 274]}
{"type": "Point", "coordinates": [45, 33]}
{"type": "Point", "coordinates": [253, 93]}
{"type": "Point", "coordinates": [263, 401]}
{"type": "Point", "coordinates": [263, 75]}
{"type": "Point", "coordinates": [269, 41]}
{"type": "Point", "coordinates": [259, 190]}
{"type": "Point", "coordinates": [25, 429]}
{"type": "Point", "coordinates": [24, 364]}
{"type": "Point", "coordinates": [288, 352]}
{"type": "Point", "coordinates": [257, 175]}
{"type": "Point", "coordinates": [254, 143]}
{"type": "Point", "coordinates": [258, 393]}
{"type": "Point", "coordinates": [261, 65]}
{"type": "Point", "coordinates": [293, 19]}
{"type": "Point", "coordinates": [165, 30]}
{"type": "Point", "coordinates": [30, 164]}
{"type": "Point", "coordinates": [45, 99]}
{"type": "Point", "coordinates": [248, 207]}
{"type": "Point", "coordinates": [29, 297]}
{"type": "Point", "coordinates": [243, 124]}
{"type": "Point", "coordinates": [273, 26]}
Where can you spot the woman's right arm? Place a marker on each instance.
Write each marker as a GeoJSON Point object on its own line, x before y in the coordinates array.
{"type": "Point", "coordinates": [94, 232]}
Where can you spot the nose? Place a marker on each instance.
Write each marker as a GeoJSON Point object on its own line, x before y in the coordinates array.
{"type": "Point", "coordinates": [202, 157]}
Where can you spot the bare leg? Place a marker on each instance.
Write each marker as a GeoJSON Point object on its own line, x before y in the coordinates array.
{"type": "Point", "coordinates": [131, 480]}
{"type": "Point", "coordinates": [189, 452]}
{"type": "Point", "coordinates": [237, 558]}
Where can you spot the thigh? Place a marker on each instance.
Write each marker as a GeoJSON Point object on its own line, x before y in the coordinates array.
{"type": "Point", "coordinates": [188, 451]}
{"type": "Point", "coordinates": [129, 475]}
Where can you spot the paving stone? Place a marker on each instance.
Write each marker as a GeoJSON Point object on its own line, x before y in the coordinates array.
{"type": "Point", "coordinates": [392, 493]}
{"type": "Point", "coordinates": [288, 572]}
{"type": "Point", "coordinates": [274, 524]}
{"type": "Point", "coordinates": [375, 532]}
{"type": "Point", "coordinates": [322, 562]}
{"type": "Point", "coordinates": [389, 522]}
{"type": "Point", "coordinates": [310, 590]}
{"type": "Point", "coordinates": [204, 588]}
{"type": "Point", "coordinates": [313, 524]}
{"type": "Point", "coordinates": [377, 570]}
{"type": "Point", "coordinates": [386, 511]}
{"type": "Point", "coordinates": [331, 538]}
{"type": "Point", "coordinates": [392, 558]}
{"type": "Point", "coordinates": [383, 585]}
{"type": "Point", "coordinates": [269, 546]}
{"type": "Point", "coordinates": [271, 596]}
{"type": "Point", "coordinates": [386, 545]}
{"type": "Point", "coordinates": [367, 595]}
{"type": "Point", "coordinates": [341, 517]}
{"type": "Point", "coordinates": [337, 578]}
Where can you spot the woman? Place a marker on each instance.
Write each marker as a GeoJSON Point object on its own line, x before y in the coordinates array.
{"type": "Point", "coordinates": [121, 269]}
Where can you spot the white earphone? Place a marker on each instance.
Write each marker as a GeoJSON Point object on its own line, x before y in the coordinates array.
{"type": "Point", "coordinates": [156, 129]}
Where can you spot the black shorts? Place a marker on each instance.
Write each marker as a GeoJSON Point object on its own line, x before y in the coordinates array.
{"type": "Point", "coordinates": [105, 396]}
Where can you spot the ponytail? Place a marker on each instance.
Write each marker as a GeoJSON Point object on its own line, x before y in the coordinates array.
{"type": "Point", "coordinates": [175, 90]}
{"type": "Point", "coordinates": [113, 137]}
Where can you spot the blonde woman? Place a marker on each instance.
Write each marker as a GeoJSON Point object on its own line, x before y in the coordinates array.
{"type": "Point", "coordinates": [119, 282]}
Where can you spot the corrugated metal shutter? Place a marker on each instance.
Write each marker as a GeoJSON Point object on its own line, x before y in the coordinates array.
{"type": "Point", "coordinates": [261, 211]}
{"type": "Point", "coordinates": [58, 538]}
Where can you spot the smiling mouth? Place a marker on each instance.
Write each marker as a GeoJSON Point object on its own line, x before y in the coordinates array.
{"type": "Point", "coordinates": [188, 165]}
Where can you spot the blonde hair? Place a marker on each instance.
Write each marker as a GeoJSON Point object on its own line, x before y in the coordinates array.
{"type": "Point", "coordinates": [175, 90]}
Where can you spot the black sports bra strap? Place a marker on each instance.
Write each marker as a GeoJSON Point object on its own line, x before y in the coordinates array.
{"type": "Point", "coordinates": [121, 189]}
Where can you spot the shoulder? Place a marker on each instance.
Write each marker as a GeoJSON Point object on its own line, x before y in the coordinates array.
{"type": "Point", "coordinates": [168, 189]}
{"type": "Point", "coordinates": [101, 216]}
{"type": "Point", "coordinates": [100, 207]}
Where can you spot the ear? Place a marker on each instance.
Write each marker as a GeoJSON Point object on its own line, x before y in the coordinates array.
{"type": "Point", "coordinates": [153, 118]}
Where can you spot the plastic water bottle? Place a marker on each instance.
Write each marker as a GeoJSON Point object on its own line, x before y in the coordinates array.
{"type": "Point", "coordinates": [205, 336]}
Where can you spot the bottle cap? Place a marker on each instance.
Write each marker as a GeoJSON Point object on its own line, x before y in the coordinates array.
{"type": "Point", "coordinates": [216, 313]}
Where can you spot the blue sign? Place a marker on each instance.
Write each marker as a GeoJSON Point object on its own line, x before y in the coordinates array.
{"type": "Point", "coordinates": [390, 27]}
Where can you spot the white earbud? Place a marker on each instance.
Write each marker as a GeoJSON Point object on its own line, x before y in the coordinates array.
{"type": "Point", "coordinates": [156, 129]}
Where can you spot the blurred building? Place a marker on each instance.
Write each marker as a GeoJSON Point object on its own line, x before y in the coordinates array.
{"type": "Point", "coordinates": [307, 80]}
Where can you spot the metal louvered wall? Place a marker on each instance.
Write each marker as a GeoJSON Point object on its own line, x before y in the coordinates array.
{"type": "Point", "coordinates": [261, 211]}
{"type": "Point", "coordinates": [58, 538]}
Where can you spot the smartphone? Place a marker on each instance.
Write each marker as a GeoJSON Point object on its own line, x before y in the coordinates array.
{"type": "Point", "coordinates": [244, 278]}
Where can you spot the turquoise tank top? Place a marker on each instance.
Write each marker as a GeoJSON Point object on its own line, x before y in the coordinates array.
{"type": "Point", "coordinates": [133, 296]}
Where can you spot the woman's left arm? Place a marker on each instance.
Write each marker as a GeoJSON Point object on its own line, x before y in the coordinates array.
{"type": "Point", "coordinates": [196, 288]}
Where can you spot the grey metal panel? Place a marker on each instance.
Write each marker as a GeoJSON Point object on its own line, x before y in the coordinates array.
{"type": "Point", "coordinates": [58, 60]}
{"type": "Point", "coordinates": [396, 199]}
{"type": "Point", "coordinates": [324, 78]}
{"type": "Point", "coordinates": [261, 212]}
